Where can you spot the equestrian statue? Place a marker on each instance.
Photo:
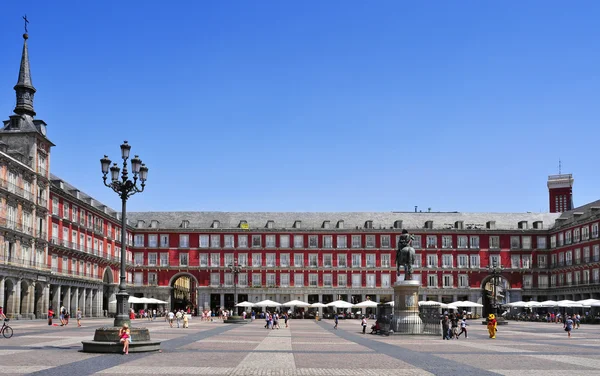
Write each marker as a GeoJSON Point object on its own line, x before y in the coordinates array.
{"type": "Point", "coordinates": [405, 255]}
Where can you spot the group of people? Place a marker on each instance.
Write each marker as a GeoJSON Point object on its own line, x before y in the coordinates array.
{"type": "Point", "coordinates": [272, 320]}
{"type": "Point", "coordinates": [179, 316]}
{"type": "Point", "coordinates": [64, 316]}
{"type": "Point", "coordinates": [450, 325]}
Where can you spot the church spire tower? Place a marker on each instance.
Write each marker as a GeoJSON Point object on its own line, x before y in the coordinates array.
{"type": "Point", "coordinates": [24, 87]}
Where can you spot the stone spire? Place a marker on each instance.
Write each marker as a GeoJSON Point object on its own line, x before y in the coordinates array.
{"type": "Point", "coordinates": [24, 88]}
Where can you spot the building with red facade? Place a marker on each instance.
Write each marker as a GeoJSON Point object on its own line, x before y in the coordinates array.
{"type": "Point", "coordinates": [59, 246]}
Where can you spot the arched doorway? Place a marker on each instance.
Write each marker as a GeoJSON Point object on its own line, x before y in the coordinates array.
{"type": "Point", "coordinates": [9, 288]}
{"type": "Point", "coordinates": [183, 292]}
{"type": "Point", "coordinates": [108, 294]}
{"type": "Point", "coordinates": [38, 301]}
{"type": "Point", "coordinates": [24, 308]}
{"type": "Point", "coordinates": [494, 293]}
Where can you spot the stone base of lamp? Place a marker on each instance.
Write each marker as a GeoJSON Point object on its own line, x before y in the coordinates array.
{"type": "Point", "coordinates": [406, 319]}
{"type": "Point", "coordinates": [236, 320]}
{"type": "Point", "coordinates": [106, 340]}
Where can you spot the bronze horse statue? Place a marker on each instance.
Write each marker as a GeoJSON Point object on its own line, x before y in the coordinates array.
{"type": "Point", "coordinates": [405, 256]}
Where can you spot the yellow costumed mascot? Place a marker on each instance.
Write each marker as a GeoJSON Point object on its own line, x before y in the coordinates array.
{"type": "Point", "coordinates": [491, 325]}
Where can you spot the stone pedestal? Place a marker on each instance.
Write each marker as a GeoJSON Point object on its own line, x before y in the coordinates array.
{"type": "Point", "coordinates": [235, 320]}
{"type": "Point", "coordinates": [106, 340]}
{"type": "Point", "coordinates": [406, 318]}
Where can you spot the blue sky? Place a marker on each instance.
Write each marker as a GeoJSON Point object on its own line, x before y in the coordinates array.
{"type": "Point", "coordinates": [317, 105]}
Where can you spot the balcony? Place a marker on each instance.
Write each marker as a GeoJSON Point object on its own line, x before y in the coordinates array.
{"type": "Point", "coordinates": [42, 202]}
{"type": "Point", "coordinates": [16, 190]}
{"type": "Point", "coordinates": [42, 171]}
{"type": "Point", "coordinates": [24, 263]}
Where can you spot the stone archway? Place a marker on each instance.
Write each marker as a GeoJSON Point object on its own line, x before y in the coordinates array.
{"type": "Point", "coordinates": [9, 297]}
{"type": "Point", "coordinates": [38, 301]}
{"type": "Point", "coordinates": [24, 309]}
{"type": "Point", "coordinates": [184, 291]}
{"type": "Point", "coordinates": [501, 291]}
{"type": "Point", "coordinates": [109, 297]}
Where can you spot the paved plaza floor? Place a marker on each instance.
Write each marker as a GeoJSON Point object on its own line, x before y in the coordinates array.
{"type": "Point", "coordinates": [306, 348]}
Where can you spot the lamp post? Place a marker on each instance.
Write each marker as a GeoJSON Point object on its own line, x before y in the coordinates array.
{"type": "Point", "coordinates": [235, 269]}
{"type": "Point", "coordinates": [495, 271]}
{"type": "Point", "coordinates": [125, 188]}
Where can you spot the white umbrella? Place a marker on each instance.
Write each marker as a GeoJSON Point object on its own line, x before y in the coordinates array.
{"type": "Point", "coordinates": [465, 304]}
{"type": "Point", "coordinates": [588, 302]}
{"type": "Point", "coordinates": [245, 304]}
{"type": "Point", "coordinates": [318, 305]}
{"type": "Point", "coordinates": [568, 304]}
{"type": "Point", "coordinates": [267, 303]}
{"type": "Point", "coordinates": [295, 303]}
{"type": "Point", "coordinates": [340, 304]}
{"type": "Point", "coordinates": [132, 300]}
{"type": "Point", "coordinates": [427, 303]}
{"type": "Point", "coordinates": [548, 303]}
{"type": "Point", "coordinates": [365, 304]}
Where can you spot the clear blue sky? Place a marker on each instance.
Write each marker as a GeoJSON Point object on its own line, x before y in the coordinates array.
{"type": "Point", "coordinates": [317, 105]}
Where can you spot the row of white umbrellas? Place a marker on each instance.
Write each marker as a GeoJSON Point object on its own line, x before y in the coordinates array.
{"type": "Point", "coordinates": [135, 300]}
{"type": "Point", "coordinates": [560, 304]}
{"type": "Point", "coordinates": [299, 303]}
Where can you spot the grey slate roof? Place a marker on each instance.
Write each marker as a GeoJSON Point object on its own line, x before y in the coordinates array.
{"type": "Point", "coordinates": [314, 220]}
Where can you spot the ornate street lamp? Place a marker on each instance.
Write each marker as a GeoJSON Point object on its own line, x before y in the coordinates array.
{"type": "Point", "coordinates": [495, 271]}
{"type": "Point", "coordinates": [105, 338]}
{"type": "Point", "coordinates": [235, 318]}
{"type": "Point", "coordinates": [125, 188]}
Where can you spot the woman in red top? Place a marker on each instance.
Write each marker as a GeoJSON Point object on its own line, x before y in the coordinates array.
{"type": "Point", "coordinates": [50, 315]}
{"type": "Point", "coordinates": [125, 337]}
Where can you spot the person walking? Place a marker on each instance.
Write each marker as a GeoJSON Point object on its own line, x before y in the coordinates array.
{"type": "Point", "coordinates": [170, 317]}
{"type": "Point", "coordinates": [50, 315]}
{"type": "Point", "coordinates": [364, 324]}
{"type": "Point", "coordinates": [336, 321]}
{"type": "Point", "coordinates": [463, 328]}
{"type": "Point", "coordinates": [178, 316]}
{"type": "Point", "coordinates": [445, 327]}
{"type": "Point", "coordinates": [186, 321]}
{"type": "Point", "coordinates": [568, 325]}
{"type": "Point", "coordinates": [78, 316]}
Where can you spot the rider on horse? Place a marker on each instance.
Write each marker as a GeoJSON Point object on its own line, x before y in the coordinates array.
{"type": "Point", "coordinates": [405, 254]}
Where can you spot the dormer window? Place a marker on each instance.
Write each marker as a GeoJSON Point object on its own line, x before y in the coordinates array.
{"type": "Point", "coordinates": [215, 224]}
{"type": "Point", "coordinates": [523, 225]}
{"type": "Point", "coordinates": [243, 225]}
{"type": "Point", "coordinates": [538, 225]}
{"type": "Point", "coordinates": [326, 224]}
{"type": "Point", "coordinates": [140, 223]}
{"type": "Point", "coordinates": [459, 225]}
{"type": "Point", "coordinates": [185, 223]}
{"type": "Point", "coordinates": [270, 224]}
{"type": "Point", "coordinates": [490, 225]}
{"type": "Point", "coordinates": [154, 223]}
{"type": "Point", "coordinates": [398, 224]}
{"type": "Point", "coordinates": [297, 224]}
{"type": "Point", "coordinates": [340, 224]}
{"type": "Point", "coordinates": [429, 224]}
{"type": "Point", "coordinates": [369, 224]}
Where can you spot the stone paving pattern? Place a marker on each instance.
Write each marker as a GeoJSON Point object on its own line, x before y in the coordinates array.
{"type": "Point", "coordinates": [306, 348]}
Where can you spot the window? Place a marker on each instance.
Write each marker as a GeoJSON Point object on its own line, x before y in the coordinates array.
{"type": "Point", "coordinates": [370, 241]}
{"type": "Point", "coordinates": [327, 280]}
{"type": "Point", "coordinates": [553, 241]}
{"type": "Point", "coordinates": [447, 261]}
{"type": "Point", "coordinates": [542, 261]}
{"type": "Point", "coordinates": [271, 280]}
{"type": "Point", "coordinates": [270, 258]}
{"type": "Point", "coordinates": [341, 261]}
{"type": "Point", "coordinates": [386, 280]}
{"type": "Point", "coordinates": [561, 239]}
{"type": "Point", "coordinates": [184, 241]}
{"type": "Point", "coordinates": [164, 259]}
{"type": "Point", "coordinates": [585, 233]}
{"type": "Point", "coordinates": [595, 230]}
{"type": "Point", "coordinates": [74, 214]}
{"type": "Point", "coordinates": [356, 261]}
{"type": "Point", "coordinates": [66, 210]}
{"type": "Point", "coordinates": [284, 279]}
{"type": "Point", "coordinates": [371, 280]}
{"type": "Point", "coordinates": [553, 280]}
{"type": "Point", "coordinates": [204, 259]}
{"type": "Point", "coordinates": [417, 263]}
{"type": "Point", "coordinates": [138, 278]}
{"type": "Point", "coordinates": [183, 259]}
{"type": "Point", "coordinates": [463, 281]}
{"type": "Point", "coordinates": [541, 242]}
{"type": "Point", "coordinates": [596, 275]}
{"type": "Point", "coordinates": [586, 277]}
{"type": "Point", "coordinates": [515, 261]}
{"type": "Point", "coordinates": [569, 257]}
{"type": "Point", "coordinates": [256, 241]}
{"type": "Point", "coordinates": [138, 241]}
{"type": "Point", "coordinates": [256, 279]}
{"type": "Point", "coordinates": [54, 206]}
{"type": "Point", "coordinates": [313, 241]}
{"type": "Point", "coordinates": [152, 241]}
{"type": "Point", "coordinates": [526, 242]}
{"type": "Point", "coordinates": [327, 241]}
{"type": "Point", "coordinates": [495, 260]}
{"type": "Point", "coordinates": [416, 243]}
{"type": "Point", "coordinates": [284, 260]}
{"type": "Point", "coordinates": [356, 280]}
{"type": "Point", "coordinates": [342, 241]}
{"type": "Point", "coordinates": [527, 281]}
{"type": "Point", "coordinates": [448, 281]}
{"type": "Point", "coordinates": [298, 260]}
{"type": "Point", "coordinates": [596, 253]}
{"type": "Point", "coordinates": [313, 280]}
{"type": "Point", "coordinates": [432, 280]}
{"type": "Point", "coordinates": [462, 242]}
{"type": "Point", "coordinates": [462, 261]}
{"type": "Point", "coordinates": [568, 237]}
{"type": "Point", "coordinates": [242, 279]}
{"type": "Point", "coordinates": [432, 261]}
{"type": "Point", "coordinates": [586, 254]}
{"type": "Point", "coordinates": [270, 241]}
{"type": "Point", "coordinates": [242, 259]}
{"type": "Point", "coordinates": [228, 241]}
{"type": "Point", "coordinates": [215, 241]}
{"type": "Point", "coordinates": [446, 241]}
{"type": "Point", "coordinates": [215, 279]}
{"type": "Point", "coordinates": [578, 256]}
{"type": "Point", "coordinates": [65, 263]}
{"type": "Point", "coordinates": [515, 242]}
{"type": "Point", "coordinates": [164, 240]}
{"type": "Point", "coordinates": [576, 236]}
{"type": "Point", "coordinates": [152, 259]}
{"type": "Point", "coordinates": [298, 279]}
{"type": "Point", "coordinates": [228, 279]}
{"type": "Point", "coordinates": [542, 281]}
{"type": "Point", "coordinates": [215, 260]}
{"type": "Point", "coordinates": [284, 241]}
{"type": "Point", "coordinates": [431, 241]}
{"type": "Point", "coordinates": [138, 258]}
{"type": "Point", "coordinates": [342, 280]}
{"type": "Point", "coordinates": [370, 260]}
{"type": "Point", "coordinates": [242, 241]}
{"type": "Point", "coordinates": [385, 241]}
{"type": "Point", "coordinates": [474, 261]}
{"type": "Point", "coordinates": [385, 260]}
{"type": "Point", "coordinates": [256, 260]}
{"type": "Point", "coordinates": [228, 259]}
{"type": "Point", "coordinates": [298, 241]}
{"type": "Point", "coordinates": [204, 241]}
{"type": "Point", "coordinates": [494, 242]}
{"type": "Point", "coordinates": [356, 241]}
{"type": "Point", "coordinates": [474, 242]}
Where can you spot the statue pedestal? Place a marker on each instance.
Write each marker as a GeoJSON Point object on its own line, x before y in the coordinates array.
{"type": "Point", "coordinates": [406, 318]}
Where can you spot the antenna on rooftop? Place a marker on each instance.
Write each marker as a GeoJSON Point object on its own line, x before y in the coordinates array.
{"type": "Point", "coordinates": [559, 166]}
